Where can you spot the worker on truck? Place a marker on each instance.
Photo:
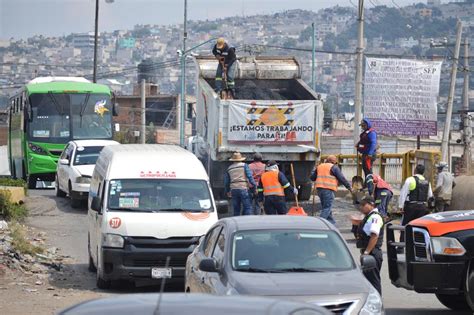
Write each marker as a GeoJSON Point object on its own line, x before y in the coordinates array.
{"type": "Point", "coordinates": [328, 176]}
{"type": "Point", "coordinates": [416, 191]}
{"type": "Point", "coordinates": [238, 181]}
{"type": "Point", "coordinates": [367, 146]}
{"type": "Point", "coordinates": [271, 189]}
{"type": "Point", "coordinates": [226, 67]}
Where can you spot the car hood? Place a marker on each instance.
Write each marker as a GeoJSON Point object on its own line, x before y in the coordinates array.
{"type": "Point", "coordinates": [85, 170]}
{"type": "Point", "coordinates": [300, 283]}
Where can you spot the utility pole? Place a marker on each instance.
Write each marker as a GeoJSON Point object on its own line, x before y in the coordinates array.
{"type": "Point", "coordinates": [183, 78]}
{"type": "Point", "coordinates": [143, 113]}
{"type": "Point", "coordinates": [96, 40]}
{"type": "Point", "coordinates": [359, 67]}
{"type": "Point", "coordinates": [313, 55]}
{"type": "Point", "coordinates": [449, 110]}
{"type": "Point", "coordinates": [467, 132]}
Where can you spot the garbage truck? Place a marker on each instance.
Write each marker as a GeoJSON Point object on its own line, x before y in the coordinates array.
{"type": "Point", "coordinates": [273, 112]}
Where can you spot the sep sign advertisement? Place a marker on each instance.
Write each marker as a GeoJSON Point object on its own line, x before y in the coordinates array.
{"type": "Point", "coordinates": [400, 95]}
{"type": "Point", "coordinates": [268, 122]}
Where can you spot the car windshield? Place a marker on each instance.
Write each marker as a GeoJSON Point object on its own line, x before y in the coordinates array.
{"type": "Point", "coordinates": [87, 155]}
{"type": "Point", "coordinates": [290, 251]}
{"type": "Point", "coordinates": [159, 195]}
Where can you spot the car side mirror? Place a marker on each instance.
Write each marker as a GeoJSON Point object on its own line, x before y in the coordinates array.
{"type": "Point", "coordinates": [96, 204]}
{"type": "Point", "coordinates": [368, 262]}
{"type": "Point", "coordinates": [222, 206]}
{"type": "Point", "coordinates": [64, 161]}
{"type": "Point", "coordinates": [208, 265]}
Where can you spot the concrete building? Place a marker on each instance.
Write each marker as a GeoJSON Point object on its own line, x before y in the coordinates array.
{"type": "Point", "coordinates": [83, 40]}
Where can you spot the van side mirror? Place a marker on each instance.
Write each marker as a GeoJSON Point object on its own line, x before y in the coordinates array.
{"type": "Point", "coordinates": [368, 262]}
{"type": "Point", "coordinates": [115, 109]}
{"type": "Point", "coordinates": [208, 265]}
{"type": "Point", "coordinates": [96, 204]}
{"type": "Point", "coordinates": [64, 161]}
{"type": "Point", "coordinates": [222, 206]}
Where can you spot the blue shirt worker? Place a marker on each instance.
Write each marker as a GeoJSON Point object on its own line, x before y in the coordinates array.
{"type": "Point", "coordinates": [237, 181]}
{"type": "Point", "coordinates": [226, 68]}
{"type": "Point", "coordinates": [370, 239]}
{"type": "Point", "coordinates": [328, 176]}
{"type": "Point", "coordinates": [271, 189]}
{"type": "Point", "coordinates": [367, 146]}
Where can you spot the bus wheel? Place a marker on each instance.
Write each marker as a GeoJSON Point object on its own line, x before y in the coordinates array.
{"type": "Point", "coordinates": [31, 182]}
{"type": "Point", "coordinates": [455, 302]}
{"type": "Point", "coordinates": [469, 291]}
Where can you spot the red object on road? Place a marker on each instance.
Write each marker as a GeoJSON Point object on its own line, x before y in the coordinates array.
{"type": "Point", "coordinates": [295, 210]}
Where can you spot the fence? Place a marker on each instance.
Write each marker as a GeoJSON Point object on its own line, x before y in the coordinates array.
{"type": "Point", "coordinates": [392, 167]}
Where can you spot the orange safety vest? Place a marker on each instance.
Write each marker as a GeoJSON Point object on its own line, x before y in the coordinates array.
{"type": "Point", "coordinates": [271, 184]}
{"type": "Point", "coordinates": [324, 179]}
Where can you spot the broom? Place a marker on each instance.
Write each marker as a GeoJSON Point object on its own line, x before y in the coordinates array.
{"type": "Point", "coordinates": [295, 210]}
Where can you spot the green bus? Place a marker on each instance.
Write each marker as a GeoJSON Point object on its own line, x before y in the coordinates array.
{"type": "Point", "coordinates": [47, 113]}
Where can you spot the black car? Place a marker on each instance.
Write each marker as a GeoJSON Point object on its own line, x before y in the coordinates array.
{"type": "Point", "coordinates": [196, 304]}
{"type": "Point", "coordinates": [285, 257]}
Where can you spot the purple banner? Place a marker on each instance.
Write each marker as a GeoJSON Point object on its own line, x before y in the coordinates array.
{"type": "Point", "coordinates": [405, 128]}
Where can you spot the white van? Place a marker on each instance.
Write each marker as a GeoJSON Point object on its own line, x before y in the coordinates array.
{"type": "Point", "coordinates": [147, 202]}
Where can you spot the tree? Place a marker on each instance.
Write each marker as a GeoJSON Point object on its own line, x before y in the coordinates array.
{"type": "Point", "coordinates": [290, 43]}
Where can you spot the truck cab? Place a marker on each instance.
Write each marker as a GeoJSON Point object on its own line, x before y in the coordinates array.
{"type": "Point", "coordinates": [436, 256]}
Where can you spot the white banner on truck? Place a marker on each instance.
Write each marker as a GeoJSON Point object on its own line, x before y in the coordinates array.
{"type": "Point", "coordinates": [269, 122]}
{"type": "Point", "coordinates": [400, 96]}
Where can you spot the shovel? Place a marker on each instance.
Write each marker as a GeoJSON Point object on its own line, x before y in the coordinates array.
{"type": "Point", "coordinates": [295, 210]}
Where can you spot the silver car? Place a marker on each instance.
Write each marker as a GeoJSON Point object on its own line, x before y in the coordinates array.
{"type": "Point", "coordinates": [297, 258]}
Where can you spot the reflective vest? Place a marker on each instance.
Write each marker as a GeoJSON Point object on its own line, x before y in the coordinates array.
{"type": "Point", "coordinates": [419, 191]}
{"type": "Point", "coordinates": [381, 184]}
{"type": "Point", "coordinates": [238, 178]}
{"type": "Point", "coordinates": [271, 184]}
{"type": "Point", "coordinates": [325, 179]}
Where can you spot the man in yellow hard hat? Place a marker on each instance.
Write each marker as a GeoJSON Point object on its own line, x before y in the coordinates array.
{"type": "Point", "coordinates": [226, 56]}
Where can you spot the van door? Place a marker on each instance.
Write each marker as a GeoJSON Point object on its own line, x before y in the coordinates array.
{"type": "Point", "coordinates": [95, 220]}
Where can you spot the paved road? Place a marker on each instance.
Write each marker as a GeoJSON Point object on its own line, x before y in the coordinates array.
{"type": "Point", "coordinates": [67, 230]}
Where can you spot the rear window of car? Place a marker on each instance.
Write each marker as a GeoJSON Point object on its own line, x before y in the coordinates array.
{"type": "Point", "coordinates": [290, 250]}
{"type": "Point", "coordinates": [87, 155]}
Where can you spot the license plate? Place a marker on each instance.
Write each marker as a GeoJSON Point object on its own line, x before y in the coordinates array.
{"type": "Point", "coordinates": [160, 273]}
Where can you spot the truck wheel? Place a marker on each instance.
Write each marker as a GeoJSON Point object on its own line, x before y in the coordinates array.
{"type": "Point", "coordinates": [100, 282]}
{"type": "Point", "coordinates": [31, 182]}
{"type": "Point", "coordinates": [469, 290]}
{"type": "Point", "coordinates": [454, 302]}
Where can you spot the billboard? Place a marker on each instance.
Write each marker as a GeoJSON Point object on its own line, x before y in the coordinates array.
{"type": "Point", "coordinates": [400, 96]}
{"type": "Point", "coordinates": [268, 122]}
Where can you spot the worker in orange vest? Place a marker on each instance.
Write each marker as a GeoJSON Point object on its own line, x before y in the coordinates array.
{"type": "Point", "coordinates": [328, 176]}
{"type": "Point", "coordinates": [271, 189]}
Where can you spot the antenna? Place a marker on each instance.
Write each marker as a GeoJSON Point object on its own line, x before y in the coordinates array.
{"type": "Point", "coordinates": [162, 289]}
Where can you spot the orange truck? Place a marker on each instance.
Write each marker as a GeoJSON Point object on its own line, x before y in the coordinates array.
{"type": "Point", "coordinates": [436, 256]}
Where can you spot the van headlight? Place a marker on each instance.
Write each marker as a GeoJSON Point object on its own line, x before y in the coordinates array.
{"type": "Point", "coordinates": [447, 246]}
{"type": "Point", "coordinates": [112, 240]}
{"type": "Point", "coordinates": [83, 180]}
{"type": "Point", "coordinates": [373, 304]}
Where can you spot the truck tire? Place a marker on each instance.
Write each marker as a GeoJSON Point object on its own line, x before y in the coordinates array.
{"type": "Point", "coordinates": [469, 289]}
{"type": "Point", "coordinates": [31, 182]}
{"type": "Point", "coordinates": [454, 302]}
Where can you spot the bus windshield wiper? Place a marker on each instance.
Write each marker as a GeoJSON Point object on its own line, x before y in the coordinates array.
{"type": "Point", "coordinates": [83, 107]}
{"type": "Point", "coordinates": [55, 102]}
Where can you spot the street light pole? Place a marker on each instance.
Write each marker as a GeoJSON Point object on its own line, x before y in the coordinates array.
{"type": "Point", "coordinates": [96, 39]}
{"type": "Point", "coordinates": [183, 78]}
{"type": "Point", "coordinates": [358, 83]}
{"type": "Point", "coordinates": [313, 83]}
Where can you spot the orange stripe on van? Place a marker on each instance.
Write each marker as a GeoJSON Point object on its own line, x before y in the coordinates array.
{"type": "Point", "coordinates": [196, 216]}
{"type": "Point", "coordinates": [442, 228]}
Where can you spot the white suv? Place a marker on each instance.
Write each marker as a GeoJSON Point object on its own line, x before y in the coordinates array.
{"type": "Point", "coordinates": [75, 166]}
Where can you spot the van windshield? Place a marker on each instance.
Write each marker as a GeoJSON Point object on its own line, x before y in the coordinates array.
{"type": "Point", "coordinates": [159, 195]}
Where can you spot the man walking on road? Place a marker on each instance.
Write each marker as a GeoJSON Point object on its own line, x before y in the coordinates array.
{"type": "Point", "coordinates": [381, 191]}
{"type": "Point", "coordinates": [416, 191]}
{"type": "Point", "coordinates": [237, 181]}
{"type": "Point", "coordinates": [271, 189]}
{"type": "Point", "coordinates": [370, 239]}
{"type": "Point", "coordinates": [367, 146]}
{"type": "Point", "coordinates": [444, 187]}
{"type": "Point", "coordinates": [257, 167]}
{"type": "Point", "coordinates": [226, 68]}
{"type": "Point", "coordinates": [328, 176]}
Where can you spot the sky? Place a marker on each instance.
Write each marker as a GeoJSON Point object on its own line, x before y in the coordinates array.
{"type": "Point", "coordinates": [25, 18]}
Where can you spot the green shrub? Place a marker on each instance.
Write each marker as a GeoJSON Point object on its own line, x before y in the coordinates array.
{"type": "Point", "coordinates": [9, 210]}
{"type": "Point", "coordinates": [20, 241]}
{"type": "Point", "coordinates": [7, 181]}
